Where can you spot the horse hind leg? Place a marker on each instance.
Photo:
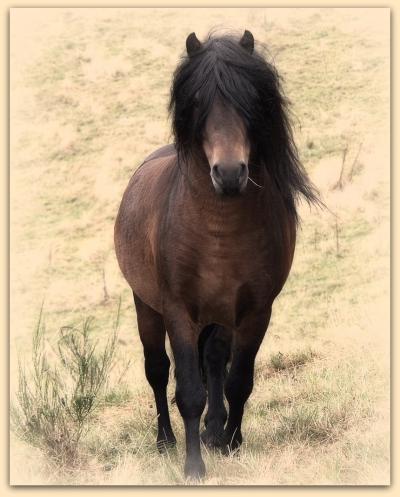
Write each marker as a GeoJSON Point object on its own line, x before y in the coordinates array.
{"type": "Point", "coordinates": [152, 335]}
{"type": "Point", "coordinates": [239, 382]}
{"type": "Point", "coordinates": [215, 355]}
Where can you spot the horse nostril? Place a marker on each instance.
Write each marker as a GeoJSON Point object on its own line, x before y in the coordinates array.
{"type": "Point", "coordinates": [215, 171]}
{"type": "Point", "coordinates": [242, 169]}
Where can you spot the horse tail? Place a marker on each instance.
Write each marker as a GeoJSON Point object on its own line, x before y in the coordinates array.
{"type": "Point", "coordinates": [211, 341]}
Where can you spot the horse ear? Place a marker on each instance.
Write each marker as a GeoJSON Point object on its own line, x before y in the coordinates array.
{"type": "Point", "coordinates": [247, 41]}
{"type": "Point", "coordinates": [193, 45]}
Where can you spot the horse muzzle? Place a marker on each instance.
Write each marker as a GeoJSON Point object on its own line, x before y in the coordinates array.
{"type": "Point", "coordinates": [230, 179]}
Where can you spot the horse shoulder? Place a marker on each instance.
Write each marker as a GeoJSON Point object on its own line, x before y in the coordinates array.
{"type": "Point", "coordinates": [137, 224]}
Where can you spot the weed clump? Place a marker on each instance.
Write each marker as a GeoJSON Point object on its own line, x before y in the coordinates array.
{"type": "Point", "coordinates": [56, 399]}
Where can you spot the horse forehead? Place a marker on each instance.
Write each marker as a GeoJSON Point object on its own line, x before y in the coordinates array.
{"type": "Point", "coordinates": [224, 113]}
{"type": "Point", "coordinates": [221, 106]}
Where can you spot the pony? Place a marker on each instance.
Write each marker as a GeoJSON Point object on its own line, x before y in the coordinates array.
{"type": "Point", "coordinates": [205, 236]}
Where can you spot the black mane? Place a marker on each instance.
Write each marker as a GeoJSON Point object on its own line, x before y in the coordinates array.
{"type": "Point", "coordinates": [252, 86]}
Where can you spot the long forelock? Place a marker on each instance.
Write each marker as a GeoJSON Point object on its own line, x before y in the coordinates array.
{"type": "Point", "coordinates": [221, 68]}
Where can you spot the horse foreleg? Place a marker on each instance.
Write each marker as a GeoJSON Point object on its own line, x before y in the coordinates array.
{"type": "Point", "coordinates": [152, 334]}
{"type": "Point", "coordinates": [190, 392]}
{"type": "Point", "coordinates": [239, 383]}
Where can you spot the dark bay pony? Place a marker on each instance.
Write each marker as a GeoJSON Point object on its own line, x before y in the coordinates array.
{"type": "Point", "coordinates": [205, 236]}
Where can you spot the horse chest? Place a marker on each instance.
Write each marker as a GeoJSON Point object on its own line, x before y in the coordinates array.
{"type": "Point", "coordinates": [223, 277]}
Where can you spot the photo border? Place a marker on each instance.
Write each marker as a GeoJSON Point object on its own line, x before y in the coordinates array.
{"type": "Point", "coordinates": [6, 489]}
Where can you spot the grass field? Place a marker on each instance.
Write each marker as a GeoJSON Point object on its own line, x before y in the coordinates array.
{"type": "Point", "coordinates": [89, 91]}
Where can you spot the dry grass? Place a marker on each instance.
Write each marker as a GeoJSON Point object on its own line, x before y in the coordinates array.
{"type": "Point", "coordinates": [89, 92]}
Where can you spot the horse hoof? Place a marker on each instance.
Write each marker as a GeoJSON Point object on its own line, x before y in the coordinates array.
{"type": "Point", "coordinates": [166, 444]}
{"type": "Point", "coordinates": [195, 469]}
{"type": "Point", "coordinates": [231, 445]}
{"type": "Point", "coordinates": [227, 450]}
{"type": "Point", "coordinates": [211, 440]}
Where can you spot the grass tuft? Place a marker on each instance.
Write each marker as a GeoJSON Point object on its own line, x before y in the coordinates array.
{"type": "Point", "coordinates": [283, 362]}
{"type": "Point", "coordinates": [309, 423]}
